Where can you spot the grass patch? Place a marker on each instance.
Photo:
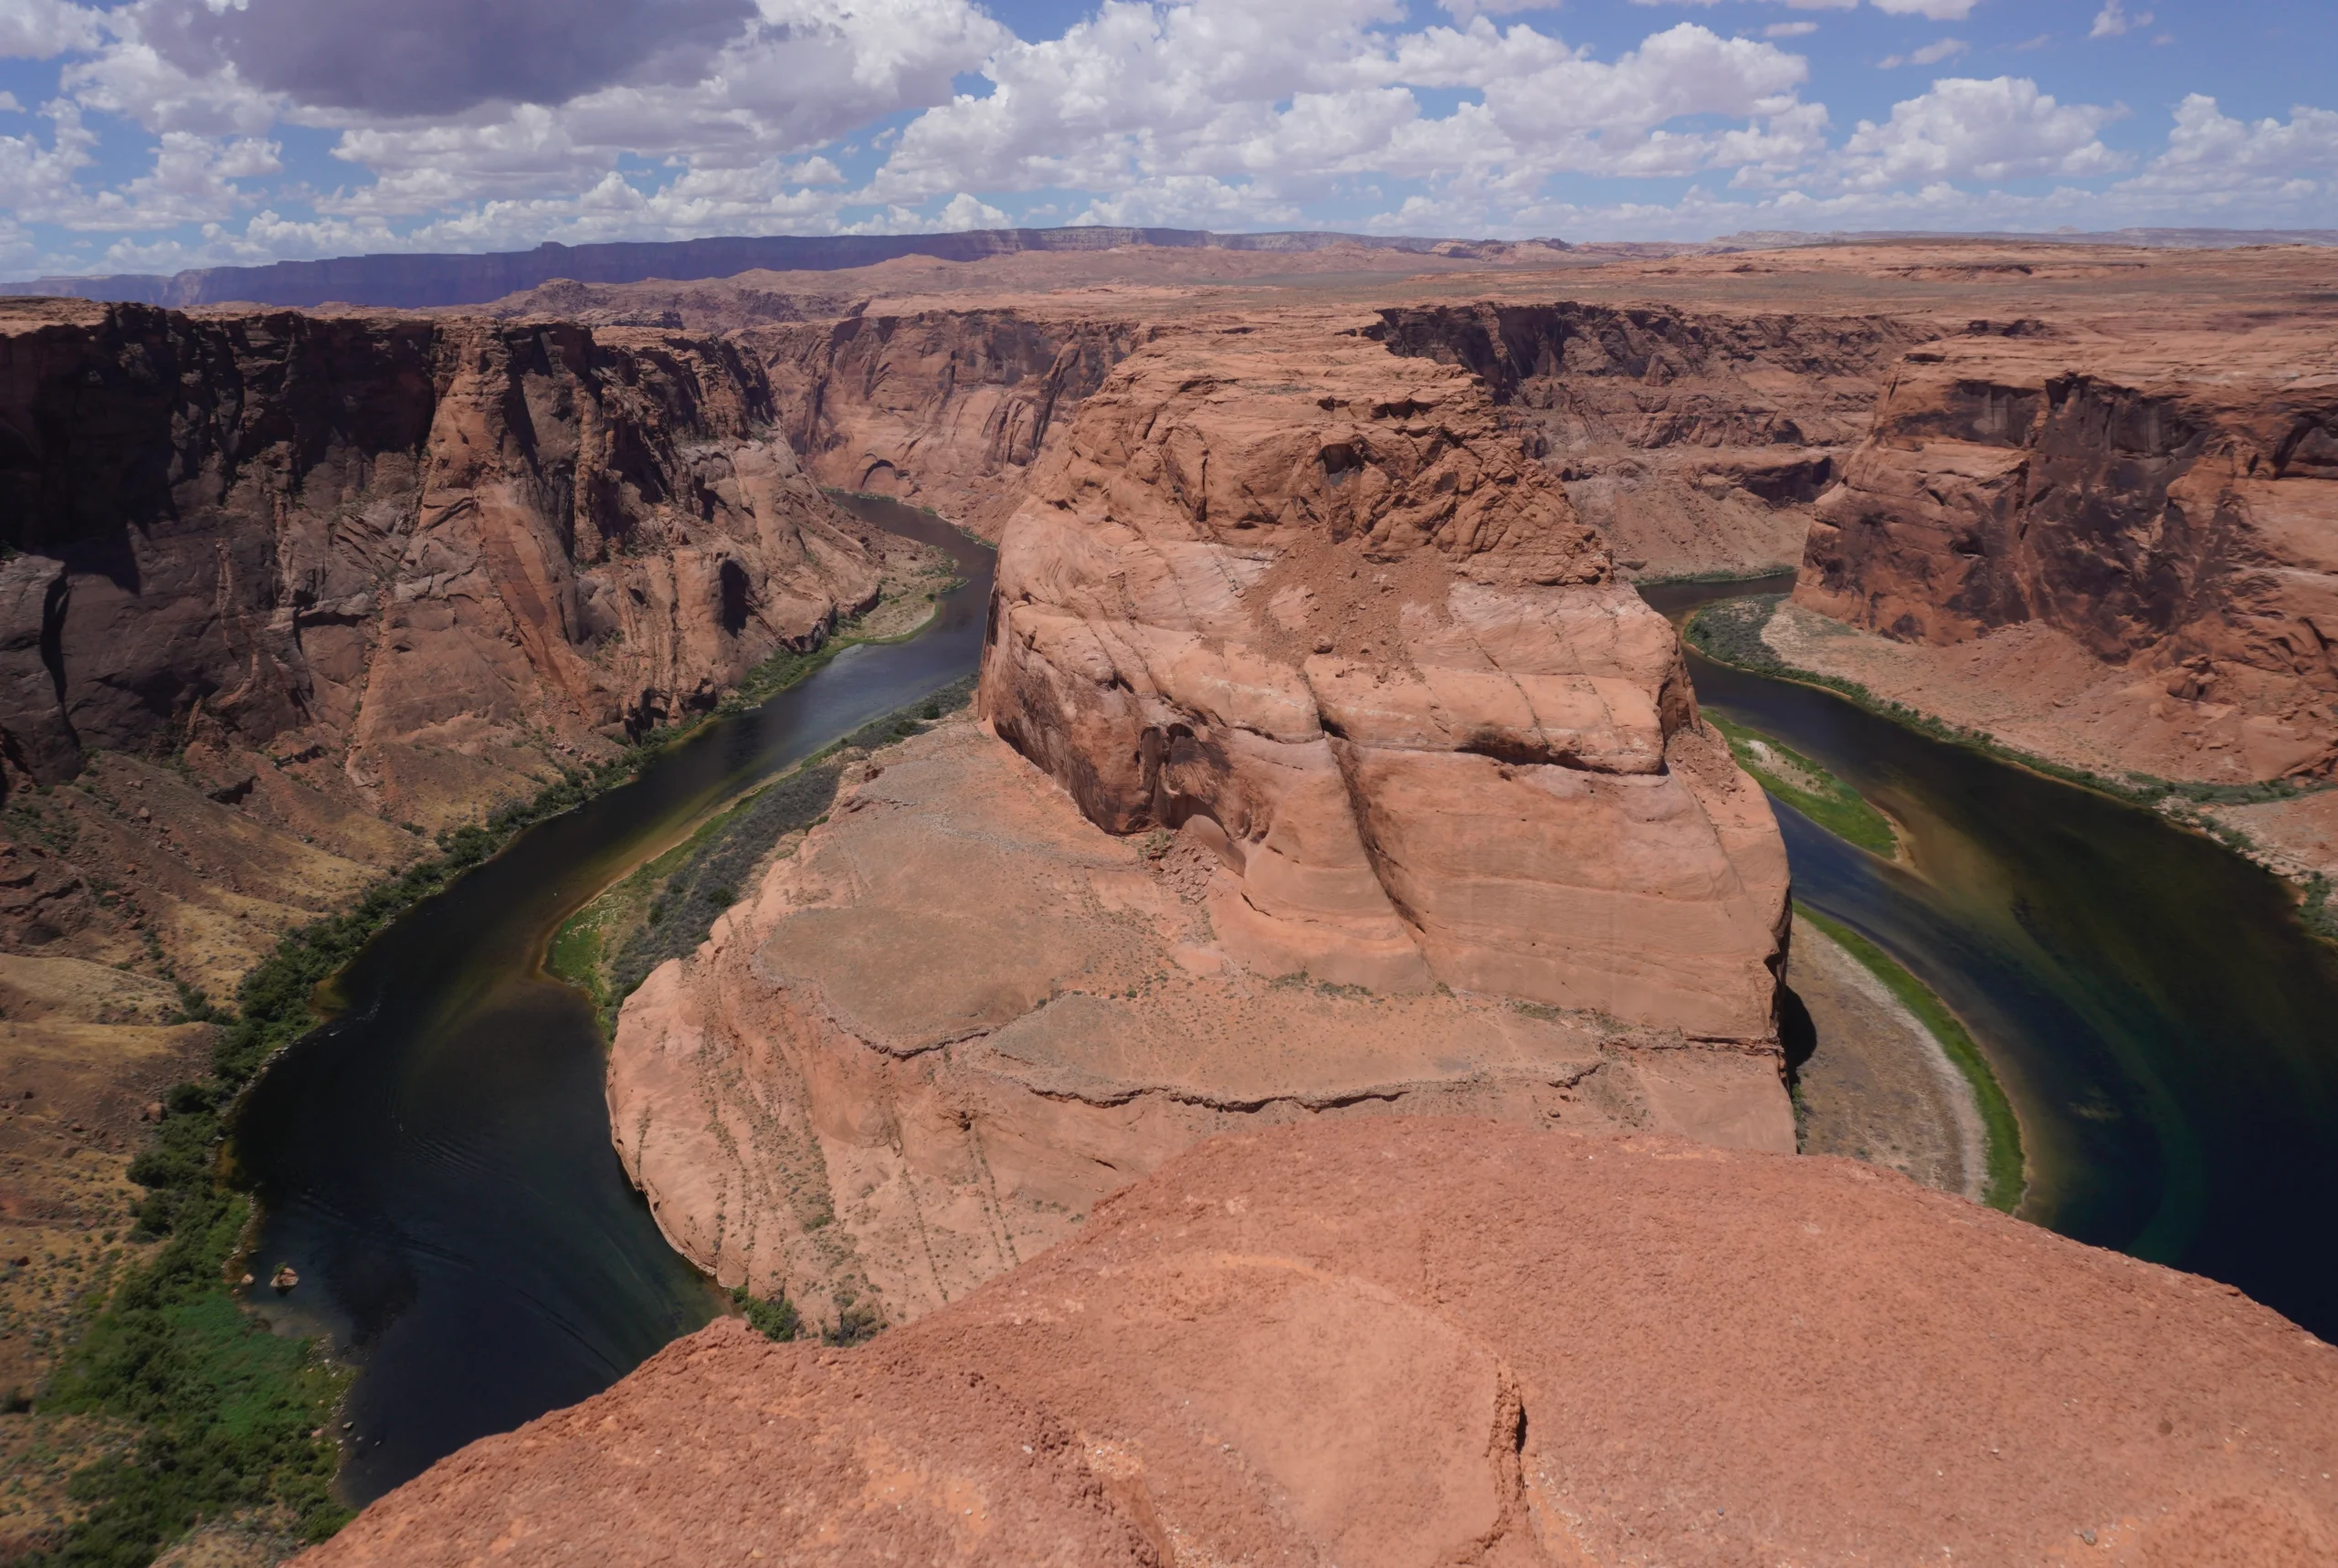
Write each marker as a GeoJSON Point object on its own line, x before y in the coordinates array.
{"type": "Point", "coordinates": [773, 1319]}
{"type": "Point", "coordinates": [1809, 788]}
{"type": "Point", "coordinates": [2001, 1129]}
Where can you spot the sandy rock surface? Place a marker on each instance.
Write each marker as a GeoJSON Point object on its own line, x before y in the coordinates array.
{"type": "Point", "coordinates": [961, 1014]}
{"type": "Point", "coordinates": [1408, 1341]}
{"type": "Point", "coordinates": [1301, 596]}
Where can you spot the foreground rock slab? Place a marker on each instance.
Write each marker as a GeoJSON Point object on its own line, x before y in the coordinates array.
{"type": "Point", "coordinates": [1406, 1341]}
{"type": "Point", "coordinates": [961, 1014]}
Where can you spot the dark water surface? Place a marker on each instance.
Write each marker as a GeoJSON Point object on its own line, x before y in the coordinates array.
{"type": "Point", "coordinates": [2166, 1026]}
{"type": "Point", "coordinates": [436, 1160]}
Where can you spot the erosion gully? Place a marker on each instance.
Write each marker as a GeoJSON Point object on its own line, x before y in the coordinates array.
{"type": "Point", "coordinates": [435, 1159]}
{"type": "Point", "coordinates": [2165, 1024]}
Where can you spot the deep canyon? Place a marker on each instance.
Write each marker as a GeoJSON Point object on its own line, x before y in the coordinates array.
{"type": "Point", "coordinates": [1326, 772]}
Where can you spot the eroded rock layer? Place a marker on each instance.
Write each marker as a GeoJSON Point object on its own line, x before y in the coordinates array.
{"type": "Point", "coordinates": [945, 409]}
{"type": "Point", "coordinates": [1413, 1342]}
{"type": "Point", "coordinates": [1304, 598]}
{"type": "Point", "coordinates": [1695, 439]}
{"type": "Point", "coordinates": [439, 555]}
{"type": "Point", "coordinates": [961, 1014]}
{"type": "Point", "coordinates": [2159, 504]}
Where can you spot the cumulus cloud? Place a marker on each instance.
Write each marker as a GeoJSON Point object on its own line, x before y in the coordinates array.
{"type": "Point", "coordinates": [2211, 153]}
{"type": "Point", "coordinates": [1966, 129]}
{"type": "Point", "coordinates": [2113, 20]}
{"type": "Point", "coordinates": [496, 124]}
{"type": "Point", "coordinates": [439, 56]}
{"type": "Point", "coordinates": [39, 30]}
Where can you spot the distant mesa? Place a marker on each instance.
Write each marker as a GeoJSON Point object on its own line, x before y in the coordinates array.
{"type": "Point", "coordinates": [424, 279]}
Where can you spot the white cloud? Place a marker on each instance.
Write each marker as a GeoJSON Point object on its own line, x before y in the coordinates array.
{"type": "Point", "coordinates": [1964, 128]}
{"type": "Point", "coordinates": [8, 104]}
{"type": "Point", "coordinates": [1789, 29]}
{"type": "Point", "coordinates": [1463, 10]}
{"type": "Point", "coordinates": [2211, 154]}
{"type": "Point", "coordinates": [2113, 20]}
{"type": "Point", "coordinates": [1932, 10]}
{"type": "Point", "coordinates": [40, 29]}
{"type": "Point", "coordinates": [1931, 54]}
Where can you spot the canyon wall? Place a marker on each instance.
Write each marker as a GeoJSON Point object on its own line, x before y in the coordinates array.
{"type": "Point", "coordinates": [1695, 439]}
{"type": "Point", "coordinates": [443, 554]}
{"type": "Point", "coordinates": [2159, 502]}
{"type": "Point", "coordinates": [1305, 595]}
{"type": "Point", "coordinates": [284, 595]}
{"type": "Point", "coordinates": [945, 409]}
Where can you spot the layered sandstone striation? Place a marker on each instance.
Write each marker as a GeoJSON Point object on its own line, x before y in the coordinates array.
{"type": "Point", "coordinates": [417, 547]}
{"type": "Point", "coordinates": [2123, 532]}
{"type": "Point", "coordinates": [960, 1015]}
{"type": "Point", "coordinates": [1360, 785]}
{"type": "Point", "coordinates": [945, 409]}
{"type": "Point", "coordinates": [1696, 438]}
{"type": "Point", "coordinates": [1408, 1341]}
{"type": "Point", "coordinates": [1302, 598]}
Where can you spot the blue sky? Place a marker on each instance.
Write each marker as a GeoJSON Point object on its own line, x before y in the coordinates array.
{"type": "Point", "coordinates": [156, 135]}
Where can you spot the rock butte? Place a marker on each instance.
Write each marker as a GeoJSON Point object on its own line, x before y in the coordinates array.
{"type": "Point", "coordinates": [1426, 1340]}
{"type": "Point", "coordinates": [1297, 602]}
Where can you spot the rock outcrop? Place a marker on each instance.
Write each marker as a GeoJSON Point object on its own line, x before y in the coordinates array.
{"type": "Point", "coordinates": [2144, 514]}
{"type": "Point", "coordinates": [1360, 785]}
{"type": "Point", "coordinates": [1302, 597]}
{"type": "Point", "coordinates": [1411, 1342]}
{"type": "Point", "coordinates": [440, 556]}
{"type": "Point", "coordinates": [960, 1015]}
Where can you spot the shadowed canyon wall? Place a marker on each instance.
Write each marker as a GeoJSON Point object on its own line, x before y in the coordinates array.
{"type": "Point", "coordinates": [413, 545]}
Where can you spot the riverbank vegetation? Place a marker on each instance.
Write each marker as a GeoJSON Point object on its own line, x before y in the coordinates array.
{"type": "Point", "coordinates": [235, 1422]}
{"type": "Point", "coordinates": [1729, 631]}
{"type": "Point", "coordinates": [1808, 787]}
{"type": "Point", "coordinates": [2001, 1129]}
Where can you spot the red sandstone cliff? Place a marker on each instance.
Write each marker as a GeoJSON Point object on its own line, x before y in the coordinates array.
{"type": "Point", "coordinates": [1360, 786]}
{"type": "Point", "coordinates": [2165, 501]}
{"type": "Point", "coordinates": [439, 554]}
{"type": "Point", "coordinates": [1282, 586]}
{"type": "Point", "coordinates": [1695, 438]}
{"type": "Point", "coordinates": [945, 409]}
{"type": "Point", "coordinates": [1420, 1341]}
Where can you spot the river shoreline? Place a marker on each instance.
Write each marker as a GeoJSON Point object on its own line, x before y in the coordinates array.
{"type": "Point", "coordinates": [1734, 632]}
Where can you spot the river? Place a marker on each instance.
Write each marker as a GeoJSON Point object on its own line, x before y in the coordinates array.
{"type": "Point", "coordinates": [2165, 1024]}
{"type": "Point", "coordinates": [435, 1159]}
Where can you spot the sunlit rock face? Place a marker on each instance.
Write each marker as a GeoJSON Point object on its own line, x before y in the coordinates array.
{"type": "Point", "coordinates": [1287, 591]}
